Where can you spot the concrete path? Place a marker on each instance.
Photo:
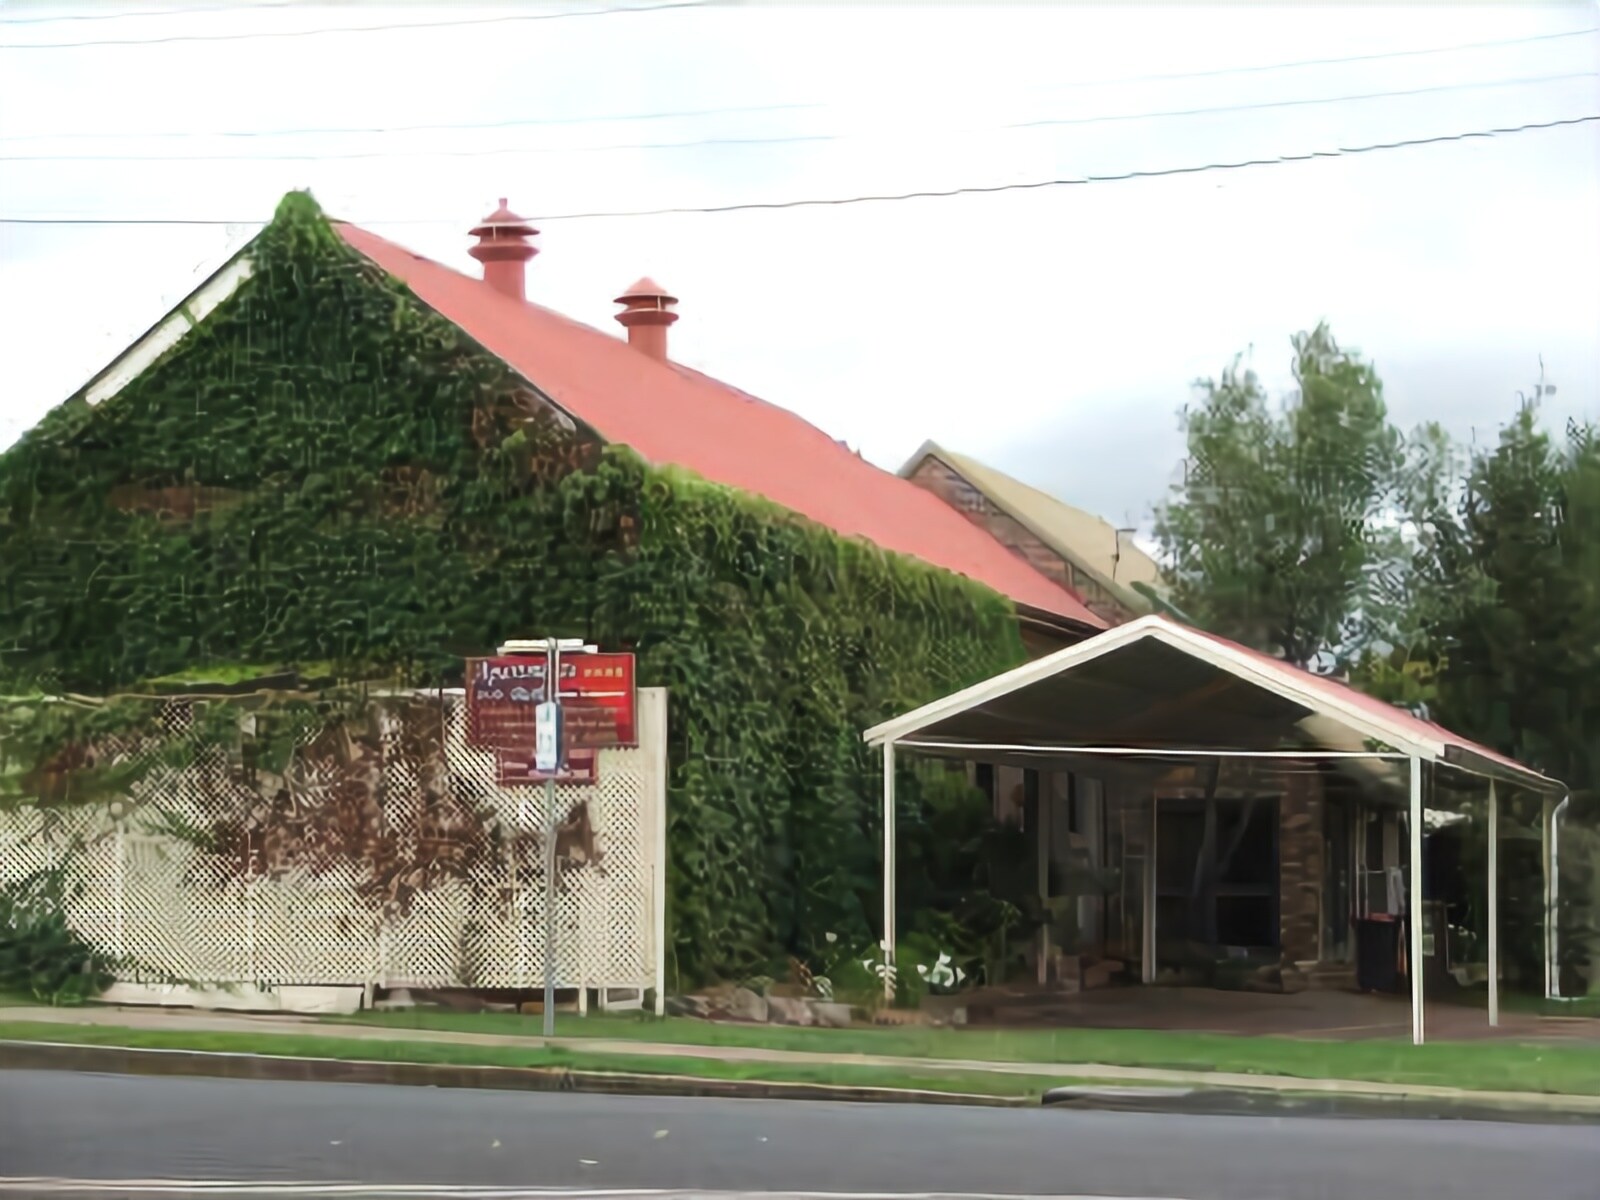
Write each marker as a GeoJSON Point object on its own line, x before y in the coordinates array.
{"type": "Point", "coordinates": [264, 1025]}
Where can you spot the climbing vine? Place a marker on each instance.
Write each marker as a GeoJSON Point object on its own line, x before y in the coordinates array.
{"type": "Point", "coordinates": [326, 472]}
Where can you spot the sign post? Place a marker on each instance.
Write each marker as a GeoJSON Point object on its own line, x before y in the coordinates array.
{"type": "Point", "coordinates": [547, 758]}
{"type": "Point", "coordinates": [547, 723]}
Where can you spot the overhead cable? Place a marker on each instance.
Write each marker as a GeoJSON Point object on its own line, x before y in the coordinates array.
{"type": "Point", "coordinates": [386, 27]}
{"type": "Point", "coordinates": [792, 139]}
{"type": "Point", "coordinates": [989, 189]}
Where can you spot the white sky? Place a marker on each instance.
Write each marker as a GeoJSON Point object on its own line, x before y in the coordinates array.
{"type": "Point", "coordinates": [1052, 332]}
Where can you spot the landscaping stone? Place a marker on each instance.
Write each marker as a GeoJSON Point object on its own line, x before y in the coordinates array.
{"type": "Point", "coordinates": [789, 1010]}
{"type": "Point", "coordinates": [900, 1016]}
{"type": "Point", "coordinates": [729, 1002]}
{"type": "Point", "coordinates": [688, 1006]}
{"type": "Point", "coordinates": [945, 1010]}
{"type": "Point", "coordinates": [830, 1014]}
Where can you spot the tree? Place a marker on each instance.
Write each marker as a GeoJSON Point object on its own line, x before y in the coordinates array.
{"type": "Point", "coordinates": [1520, 653]}
{"type": "Point", "coordinates": [1284, 524]}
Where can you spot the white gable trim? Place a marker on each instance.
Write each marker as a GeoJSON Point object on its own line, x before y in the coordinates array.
{"type": "Point", "coordinates": [1226, 658]}
{"type": "Point", "coordinates": [148, 350]}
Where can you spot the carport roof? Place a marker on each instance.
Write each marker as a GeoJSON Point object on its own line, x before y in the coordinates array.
{"type": "Point", "coordinates": [1165, 687]}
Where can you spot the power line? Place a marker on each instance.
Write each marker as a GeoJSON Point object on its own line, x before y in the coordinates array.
{"type": "Point", "coordinates": [1079, 84]}
{"type": "Point", "coordinates": [388, 27]}
{"type": "Point", "coordinates": [1377, 56]}
{"type": "Point", "coordinates": [832, 202]}
{"type": "Point", "coordinates": [436, 127]}
{"type": "Point", "coordinates": [164, 12]}
{"type": "Point", "coordinates": [790, 139]}
{"type": "Point", "coordinates": [1276, 160]}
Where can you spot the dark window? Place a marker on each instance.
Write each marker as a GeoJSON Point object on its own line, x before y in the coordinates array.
{"type": "Point", "coordinates": [1220, 894]}
{"type": "Point", "coordinates": [1246, 921]}
{"type": "Point", "coordinates": [983, 780]}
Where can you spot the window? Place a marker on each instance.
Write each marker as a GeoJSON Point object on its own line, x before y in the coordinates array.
{"type": "Point", "coordinates": [983, 780]}
{"type": "Point", "coordinates": [1218, 896]}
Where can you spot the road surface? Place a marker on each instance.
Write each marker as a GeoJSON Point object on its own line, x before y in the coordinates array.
{"type": "Point", "coordinates": [107, 1128]}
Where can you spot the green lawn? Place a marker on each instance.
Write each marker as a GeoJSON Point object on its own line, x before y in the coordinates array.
{"type": "Point", "coordinates": [1487, 1065]}
{"type": "Point", "coordinates": [397, 1050]}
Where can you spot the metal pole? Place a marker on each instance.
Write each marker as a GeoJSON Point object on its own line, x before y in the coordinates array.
{"type": "Point", "coordinates": [1494, 906]}
{"type": "Point", "coordinates": [1546, 829]}
{"type": "Point", "coordinates": [1149, 969]}
{"type": "Point", "coordinates": [1041, 833]}
{"type": "Point", "coordinates": [552, 692]}
{"type": "Point", "coordinates": [655, 703]}
{"type": "Point", "coordinates": [120, 883]}
{"type": "Point", "coordinates": [1414, 902]}
{"type": "Point", "coordinates": [888, 868]}
{"type": "Point", "coordinates": [1555, 896]}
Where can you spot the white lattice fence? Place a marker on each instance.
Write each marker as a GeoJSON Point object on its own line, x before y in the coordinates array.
{"type": "Point", "coordinates": [178, 911]}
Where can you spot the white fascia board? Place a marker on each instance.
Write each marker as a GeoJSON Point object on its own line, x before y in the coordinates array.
{"type": "Point", "coordinates": [1235, 662]}
{"type": "Point", "coordinates": [1000, 685]}
{"type": "Point", "coordinates": [1282, 681]}
{"type": "Point", "coordinates": [144, 353]}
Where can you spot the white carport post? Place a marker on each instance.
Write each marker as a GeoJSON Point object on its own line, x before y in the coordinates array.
{"type": "Point", "coordinates": [888, 870]}
{"type": "Point", "coordinates": [1414, 902]}
{"type": "Point", "coordinates": [1494, 906]}
{"type": "Point", "coordinates": [1148, 967]}
{"type": "Point", "coordinates": [1547, 839]}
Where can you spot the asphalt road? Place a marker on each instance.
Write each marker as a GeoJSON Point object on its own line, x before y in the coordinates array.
{"type": "Point", "coordinates": [115, 1128]}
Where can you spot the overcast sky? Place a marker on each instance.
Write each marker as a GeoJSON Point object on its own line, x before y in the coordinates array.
{"type": "Point", "coordinates": [1053, 332]}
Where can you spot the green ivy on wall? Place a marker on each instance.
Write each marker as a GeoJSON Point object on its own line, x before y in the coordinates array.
{"type": "Point", "coordinates": [327, 472]}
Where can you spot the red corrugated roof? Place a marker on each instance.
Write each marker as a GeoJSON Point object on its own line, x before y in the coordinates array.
{"type": "Point", "coordinates": [671, 414]}
{"type": "Point", "coordinates": [1396, 718]}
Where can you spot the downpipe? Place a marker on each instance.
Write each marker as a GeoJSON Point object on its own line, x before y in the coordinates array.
{"type": "Point", "coordinates": [1552, 983]}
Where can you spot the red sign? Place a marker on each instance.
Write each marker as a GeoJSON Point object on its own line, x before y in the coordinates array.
{"type": "Point", "coordinates": [514, 766]}
{"type": "Point", "coordinates": [597, 698]}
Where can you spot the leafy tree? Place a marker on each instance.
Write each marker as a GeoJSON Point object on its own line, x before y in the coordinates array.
{"type": "Point", "coordinates": [1523, 652]}
{"type": "Point", "coordinates": [1520, 650]}
{"type": "Point", "coordinates": [1283, 526]}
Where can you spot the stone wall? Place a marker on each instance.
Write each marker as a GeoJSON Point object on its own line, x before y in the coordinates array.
{"type": "Point", "coordinates": [949, 486]}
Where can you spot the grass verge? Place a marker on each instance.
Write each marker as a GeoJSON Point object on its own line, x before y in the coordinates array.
{"type": "Point", "coordinates": [1572, 1067]}
{"type": "Point", "coordinates": [468, 1055]}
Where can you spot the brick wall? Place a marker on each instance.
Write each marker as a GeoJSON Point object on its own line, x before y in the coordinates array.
{"type": "Point", "coordinates": [1300, 869]}
{"type": "Point", "coordinates": [960, 495]}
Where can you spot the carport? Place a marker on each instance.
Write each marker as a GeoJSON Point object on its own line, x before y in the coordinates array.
{"type": "Point", "coordinates": [1154, 694]}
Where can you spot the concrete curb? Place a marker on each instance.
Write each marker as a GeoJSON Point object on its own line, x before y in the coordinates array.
{"type": "Point", "coordinates": [1199, 1101]}
{"type": "Point", "coordinates": [122, 1060]}
{"type": "Point", "coordinates": [1241, 1102]}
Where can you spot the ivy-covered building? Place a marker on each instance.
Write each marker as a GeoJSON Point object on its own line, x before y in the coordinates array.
{"type": "Point", "coordinates": [338, 455]}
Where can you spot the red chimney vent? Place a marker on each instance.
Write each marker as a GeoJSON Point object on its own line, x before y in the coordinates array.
{"type": "Point", "coordinates": [504, 248]}
{"type": "Point", "coordinates": [646, 313]}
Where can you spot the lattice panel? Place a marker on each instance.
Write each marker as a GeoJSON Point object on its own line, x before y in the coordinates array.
{"type": "Point", "coordinates": [438, 901]}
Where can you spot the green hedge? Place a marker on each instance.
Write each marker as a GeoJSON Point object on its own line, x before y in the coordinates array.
{"type": "Point", "coordinates": [327, 472]}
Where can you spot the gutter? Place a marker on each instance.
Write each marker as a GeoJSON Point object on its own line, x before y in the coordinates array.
{"type": "Point", "coordinates": [1038, 618]}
